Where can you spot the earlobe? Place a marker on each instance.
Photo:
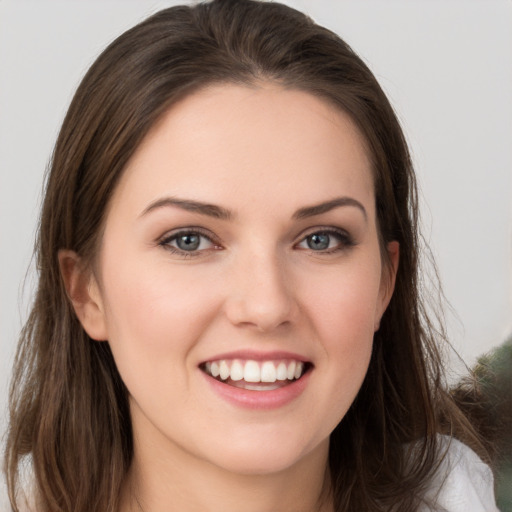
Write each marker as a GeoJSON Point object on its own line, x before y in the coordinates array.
{"type": "Point", "coordinates": [84, 293]}
{"type": "Point", "coordinates": [388, 279]}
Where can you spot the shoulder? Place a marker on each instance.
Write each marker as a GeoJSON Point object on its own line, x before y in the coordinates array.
{"type": "Point", "coordinates": [462, 481]}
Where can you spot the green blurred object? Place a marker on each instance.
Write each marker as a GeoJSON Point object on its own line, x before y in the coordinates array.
{"type": "Point", "coordinates": [486, 397]}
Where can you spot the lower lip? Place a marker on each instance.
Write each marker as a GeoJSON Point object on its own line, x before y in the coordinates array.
{"type": "Point", "coordinates": [265, 400]}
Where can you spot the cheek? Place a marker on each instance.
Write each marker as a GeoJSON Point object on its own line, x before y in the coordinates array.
{"type": "Point", "coordinates": [154, 316]}
{"type": "Point", "coordinates": [344, 305]}
{"type": "Point", "coordinates": [342, 308]}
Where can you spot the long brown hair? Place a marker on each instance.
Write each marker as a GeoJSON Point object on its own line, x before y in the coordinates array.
{"type": "Point", "coordinates": [68, 405]}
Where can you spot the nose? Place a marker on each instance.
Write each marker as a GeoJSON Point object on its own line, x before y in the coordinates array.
{"type": "Point", "coordinates": [261, 294]}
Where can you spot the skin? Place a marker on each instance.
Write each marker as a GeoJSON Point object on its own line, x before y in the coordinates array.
{"type": "Point", "coordinates": [262, 153]}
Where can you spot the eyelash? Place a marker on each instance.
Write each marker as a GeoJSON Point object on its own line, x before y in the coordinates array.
{"type": "Point", "coordinates": [193, 231]}
{"type": "Point", "coordinates": [345, 241]}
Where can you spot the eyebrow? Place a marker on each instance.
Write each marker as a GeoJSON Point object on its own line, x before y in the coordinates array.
{"type": "Point", "coordinates": [189, 205]}
{"type": "Point", "coordinates": [218, 212]}
{"type": "Point", "coordinates": [318, 209]}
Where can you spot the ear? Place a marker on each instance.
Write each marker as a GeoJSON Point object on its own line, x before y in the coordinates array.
{"type": "Point", "coordinates": [387, 282]}
{"type": "Point", "coordinates": [84, 293]}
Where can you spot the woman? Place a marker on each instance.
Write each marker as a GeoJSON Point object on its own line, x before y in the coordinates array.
{"type": "Point", "coordinates": [228, 315]}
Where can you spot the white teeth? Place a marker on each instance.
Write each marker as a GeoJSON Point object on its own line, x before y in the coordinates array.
{"type": "Point", "coordinates": [282, 372]}
{"type": "Point", "coordinates": [298, 370]}
{"type": "Point", "coordinates": [215, 369]}
{"type": "Point", "coordinates": [237, 371]}
{"type": "Point", "coordinates": [255, 372]}
{"type": "Point", "coordinates": [268, 372]}
{"type": "Point", "coordinates": [224, 370]}
{"type": "Point", "coordinates": [291, 370]}
{"type": "Point", "coordinates": [252, 372]}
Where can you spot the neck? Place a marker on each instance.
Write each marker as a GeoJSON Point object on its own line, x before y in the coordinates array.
{"type": "Point", "coordinates": [172, 480]}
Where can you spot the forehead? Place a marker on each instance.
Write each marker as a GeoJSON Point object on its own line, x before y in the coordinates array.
{"type": "Point", "coordinates": [229, 142]}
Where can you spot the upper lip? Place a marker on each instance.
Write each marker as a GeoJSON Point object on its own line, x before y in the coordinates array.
{"type": "Point", "coordinates": [257, 356]}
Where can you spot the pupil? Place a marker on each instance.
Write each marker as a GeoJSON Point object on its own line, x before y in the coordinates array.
{"type": "Point", "coordinates": [188, 242]}
{"type": "Point", "coordinates": [318, 241]}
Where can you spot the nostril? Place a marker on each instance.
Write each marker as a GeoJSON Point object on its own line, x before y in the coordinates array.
{"type": "Point", "coordinates": [264, 317]}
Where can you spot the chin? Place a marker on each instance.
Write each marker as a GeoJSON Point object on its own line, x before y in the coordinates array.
{"type": "Point", "coordinates": [259, 465]}
{"type": "Point", "coordinates": [257, 456]}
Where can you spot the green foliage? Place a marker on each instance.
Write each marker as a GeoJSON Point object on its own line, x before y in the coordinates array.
{"type": "Point", "coordinates": [493, 373]}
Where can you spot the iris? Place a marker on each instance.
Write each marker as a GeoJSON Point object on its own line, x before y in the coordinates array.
{"type": "Point", "coordinates": [319, 241]}
{"type": "Point", "coordinates": [188, 242]}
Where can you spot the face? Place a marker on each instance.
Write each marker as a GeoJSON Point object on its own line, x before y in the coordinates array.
{"type": "Point", "coordinates": [239, 280]}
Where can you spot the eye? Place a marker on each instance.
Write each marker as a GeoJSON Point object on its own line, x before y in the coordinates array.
{"type": "Point", "coordinates": [188, 243]}
{"type": "Point", "coordinates": [327, 241]}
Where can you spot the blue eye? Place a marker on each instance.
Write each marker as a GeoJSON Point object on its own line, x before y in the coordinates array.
{"type": "Point", "coordinates": [319, 241]}
{"type": "Point", "coordinates": [326, 241]}
{"type": "Point", "coordinates": [187, 243]}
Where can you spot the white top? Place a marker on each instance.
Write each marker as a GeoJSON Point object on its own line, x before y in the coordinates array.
{"type": "Point", "coordinates": [463, 483]}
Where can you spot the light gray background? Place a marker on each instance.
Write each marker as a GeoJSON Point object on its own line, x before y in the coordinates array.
{"type": "Point", "coordinates": [446, 65]}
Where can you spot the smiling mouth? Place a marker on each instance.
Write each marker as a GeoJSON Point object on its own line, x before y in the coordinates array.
{"type": "Point", "coordinates": [256, 375]}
